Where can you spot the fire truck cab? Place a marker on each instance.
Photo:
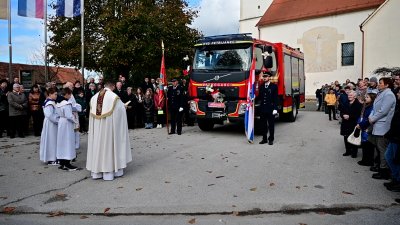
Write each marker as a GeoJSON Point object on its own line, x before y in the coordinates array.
{"type": "Point", "coordinates": [219, 77]}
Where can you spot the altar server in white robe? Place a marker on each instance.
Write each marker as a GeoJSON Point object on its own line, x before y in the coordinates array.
{"type": "Point", "coordinates": [66, 135]}
{"type": "Point", "coordinates": [75, 109]}
{"type": "Point", "coordinates": [48, 139]}
{"type": "Point", "coordinates": [109, 149]}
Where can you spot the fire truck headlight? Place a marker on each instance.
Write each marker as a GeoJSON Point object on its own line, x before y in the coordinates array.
{"type": "Point", "coordinates": [242, 108]}
{"type": "Point", "coordinates": [193, 106]}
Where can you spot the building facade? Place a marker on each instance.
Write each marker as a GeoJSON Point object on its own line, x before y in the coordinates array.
{"type": "Point", "coordinates": [251, 12]}
{"type": "Point", "coordinates": [381, 38]}
{"type": "Point", "coordinates": [328, 32]}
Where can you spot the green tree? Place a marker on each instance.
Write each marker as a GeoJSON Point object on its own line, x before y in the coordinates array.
{"type": "Point", "coordinates": [124, 36]}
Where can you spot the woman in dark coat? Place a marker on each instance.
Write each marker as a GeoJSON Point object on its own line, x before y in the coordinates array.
{"type": "Point", "coordinates": [139, 108]}
{"type": "Point", "coordinates": [148, 105]}
{"type": "Point", "coordinates": [350, 115]}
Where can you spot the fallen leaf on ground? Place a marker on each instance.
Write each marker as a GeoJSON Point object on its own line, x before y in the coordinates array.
{"type": "Point", "coordinates": [61, 195]}
{"type": "Point", "coordinates": [56, 213]}
{"type": "Point", "coordinates": [253, 189]}
{"type": "Point", "coordinates": [271, 184]}
{"type": "Point", "coordinates": [347, 193]}
{"type": "Point", "coordinates": [192, 221]}
{"type": "Point", "coordinates": [106, 210]}
{"type": "Point", "coordinates": [8, 210]}
{"type": "Point", "coordinates": [138, 189]}
{"type": "Point", "coordinates": [83, 217]}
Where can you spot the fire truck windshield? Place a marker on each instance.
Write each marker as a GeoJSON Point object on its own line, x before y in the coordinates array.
{"type": "Point", "coordinates": [235, 57]}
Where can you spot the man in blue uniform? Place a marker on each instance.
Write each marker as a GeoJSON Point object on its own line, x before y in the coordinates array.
{"type": "Point", "coordinates": [175, 106]}
{"type": "Point", "coordinates": [268, 94]}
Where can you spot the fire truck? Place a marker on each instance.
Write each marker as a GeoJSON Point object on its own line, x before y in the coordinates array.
{"type": "Point", "coordinates": [221, 69]}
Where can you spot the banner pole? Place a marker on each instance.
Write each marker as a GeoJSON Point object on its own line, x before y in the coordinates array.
{"type": "Point", "coordinates": [46, 75]}
{"type": "Point", "coordinates": [83, 40]}
{"type": "Point", "coordinates": [9, 42]}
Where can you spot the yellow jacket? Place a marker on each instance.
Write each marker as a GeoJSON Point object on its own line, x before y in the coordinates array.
{"type": "Point", "coordinates": [330, 99]}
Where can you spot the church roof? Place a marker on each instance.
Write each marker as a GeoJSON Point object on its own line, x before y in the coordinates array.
{"type": "Point", "coordinates": [283, 11]}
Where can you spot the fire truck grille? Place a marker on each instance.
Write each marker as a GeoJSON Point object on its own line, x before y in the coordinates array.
{"type": "Point", "coordinates": [231, 93]}
{"type": "Point", "coordinates": [230, 107]}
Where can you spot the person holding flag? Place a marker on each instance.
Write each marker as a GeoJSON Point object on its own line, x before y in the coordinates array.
{"type": "Point", "coordinates": [268, 94]}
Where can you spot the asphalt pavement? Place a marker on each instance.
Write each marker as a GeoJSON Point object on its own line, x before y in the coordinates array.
{"type": "Point", "coordinates": [201, 177]}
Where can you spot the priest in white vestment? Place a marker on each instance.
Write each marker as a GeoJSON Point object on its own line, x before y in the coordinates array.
{"type": "Point", "coordinates": [109, 149]}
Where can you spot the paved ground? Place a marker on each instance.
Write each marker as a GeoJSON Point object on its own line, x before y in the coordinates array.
{"type": "Point", "coordinates": [213, 177]}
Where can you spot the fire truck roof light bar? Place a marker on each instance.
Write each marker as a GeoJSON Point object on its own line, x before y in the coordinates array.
{"type": "Point", "coordinates": [228, 37]}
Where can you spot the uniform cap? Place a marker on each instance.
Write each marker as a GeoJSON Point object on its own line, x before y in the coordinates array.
{"type": "Point", "coordinates": [267, 74]}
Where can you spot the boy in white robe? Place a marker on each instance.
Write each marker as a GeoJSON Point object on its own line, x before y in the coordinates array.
{"type": "Point", "coordinates": [109, 149]}
{"type": "Point", "coordinates": [48, 139]}
{"type": "Point", "coordinates": [76, 108]}
{"type": "Point", "coordinates": [66, 134]}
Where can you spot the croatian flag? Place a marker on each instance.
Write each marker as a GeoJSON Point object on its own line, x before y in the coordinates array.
{"type": "Point", "coordinates": [68, 8]}
{"type": "Point", "coordinates": [249, 116]}
{"type": "Point", "coordinates": [163, 74]}
{"type": "Point", "coordinates": [31, 8]}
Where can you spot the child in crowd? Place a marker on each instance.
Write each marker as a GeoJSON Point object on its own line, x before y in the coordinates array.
{"type": "Point", "coordinates": [159, 101]}
{"type": "Point", "coordinates": [80, 99]}
{"type": "Point", "coordinates": [364, 125]}
{"type": "Point", "coordinates": [330, 100]}
{"type": "Point", "coordinates": [65, 135]}
{"type": "Point", "coordinates": [48, 139]}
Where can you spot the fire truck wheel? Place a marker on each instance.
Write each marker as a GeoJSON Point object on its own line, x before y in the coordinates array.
{"type": "Point", "coordinates": [293, 115]}
{"type": "Point", "coordinates": [205, 125]}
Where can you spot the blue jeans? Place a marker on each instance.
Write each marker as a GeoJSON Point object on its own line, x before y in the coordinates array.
{"type": "Point", "coordinates": [391, 151]}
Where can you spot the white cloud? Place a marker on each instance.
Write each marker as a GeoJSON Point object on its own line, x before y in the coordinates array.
{"type": "Point", "coordinates": [218, 17]}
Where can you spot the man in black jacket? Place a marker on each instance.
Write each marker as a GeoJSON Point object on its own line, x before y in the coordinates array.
{"type": "Point", "coordinates": [268, 94]}
{"type": "Point", "coordinates": [175, 106]}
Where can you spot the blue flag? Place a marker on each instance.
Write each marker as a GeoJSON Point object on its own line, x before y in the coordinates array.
{"type": "Point", "coordinates": [68, 8]}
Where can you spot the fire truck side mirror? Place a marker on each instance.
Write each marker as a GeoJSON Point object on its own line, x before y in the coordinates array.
{"type": "Point", "coordinates": [268, 63]}
{"type": "Point", "coordinates": [268, 49]}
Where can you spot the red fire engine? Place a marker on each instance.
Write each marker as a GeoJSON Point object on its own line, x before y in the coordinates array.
{"type": "Point", "coordinates": [221, 69]}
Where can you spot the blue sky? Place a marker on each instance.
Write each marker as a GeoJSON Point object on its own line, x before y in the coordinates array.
{"type": "Point", "coordinates": [215, 17]}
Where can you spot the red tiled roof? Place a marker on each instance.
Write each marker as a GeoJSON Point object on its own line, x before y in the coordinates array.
{"type": "Point", "coordinates": [58, 74]}
{"type": "Point", "coordinates": [282, 11]}
{"type": "Point", "coordinates": [67, 74]}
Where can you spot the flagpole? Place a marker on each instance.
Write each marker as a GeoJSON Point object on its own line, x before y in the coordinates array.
{"type": "Point", "coordinates": [46, 77]}
{"type": "Point", "coordinates": [9, 42]}
{"type": "Point", "coordinates": [83, 40]}
{"type": "Point", "coordinates": [166, 85]}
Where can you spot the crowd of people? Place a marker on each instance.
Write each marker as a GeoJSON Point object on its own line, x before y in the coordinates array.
{"type": "Point", "coordinates": [369, 109]}
{"type": "Point", "coordinates": [22, 112]}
